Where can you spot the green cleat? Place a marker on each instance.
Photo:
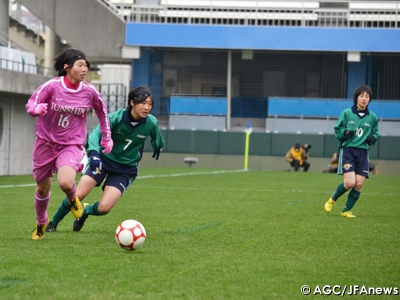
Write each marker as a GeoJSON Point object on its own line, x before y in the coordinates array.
{"type": "Point", "coordinates": [76, 207]}
{"type": "Point", "coordinates": [329, 205]}
{"type": "Point", "coordinates": [38, 232]}
{"type": "Point", "coordinates": [347, 214]}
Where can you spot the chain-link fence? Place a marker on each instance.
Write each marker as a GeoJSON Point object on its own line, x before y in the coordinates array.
{"type": "Point", "coordinates": [257, 75]}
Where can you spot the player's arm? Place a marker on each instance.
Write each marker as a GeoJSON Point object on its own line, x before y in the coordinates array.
{"type": "Point", "coordinates": [373, 137]}
{"type": "Point", "coordinates": [288, 156]}
{"type": "Point", "coordinates": [94, 149]}
{"type": "Point", "coordinates": [95, 137]}
{"type": "Point", "coordinates": [375, 129]}
{"type": "Point", "coordinates": [37, 103]}
{"type": "Point", "coordinates": [157, 140]}
{"type": "Point", "coordinates": [141, 152]}
{"type": "Point", "coordinates": [340, 127]}
{"type": "Point", "coordinates": [94, 140]}
{"type": "Point", "coordinates": [102, 114]}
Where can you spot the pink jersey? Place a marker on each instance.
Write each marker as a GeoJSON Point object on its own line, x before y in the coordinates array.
{"type": "Point", "coordinates": [65, 121]}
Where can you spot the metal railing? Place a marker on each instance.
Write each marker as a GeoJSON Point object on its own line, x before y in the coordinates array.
{"type": "Point", "coordinates": [21, 66]}
{"type": "Point", "coordinates": [26, 68]}
{"type": "Point", "coordinates": [7, 42]}
{"type": "Point", "coordinates": [22, 18]}
{"type": "Point", "coordinates": [113, 95]}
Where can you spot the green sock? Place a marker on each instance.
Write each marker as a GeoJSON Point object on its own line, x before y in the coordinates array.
{"type": "Point", "coordinates": [91, 209]}
{"type": "Point", "coordinates": [339, 191]}
{"type": "Point", "coordinates": [62, 211]}
{"type": "Point", "coordinates": [351, 200]}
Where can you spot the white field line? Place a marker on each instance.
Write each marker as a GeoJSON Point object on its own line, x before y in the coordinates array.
{"type": "Point", "coordinates": [208, 173]}
{"type": "Point", "coordinates": [140, 177]}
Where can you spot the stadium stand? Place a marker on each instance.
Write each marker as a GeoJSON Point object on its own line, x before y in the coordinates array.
{"type": "Point", "coordinates": [248, 10]}
{"type": "Point", "coordinates": [263, 12]}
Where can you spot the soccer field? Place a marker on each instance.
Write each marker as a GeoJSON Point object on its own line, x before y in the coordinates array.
{"type": "Point", "coordinates": [211, 234]}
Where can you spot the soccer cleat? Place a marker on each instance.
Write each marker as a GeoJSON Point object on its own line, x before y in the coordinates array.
{"type": "Point", "coordinates": [347, 214]}
{"type": "Point", "coordinates": [329, 205]}
{"type": "Point", "coordinates": [78, 223]}
{"type": "Point", "coordinates": [38, 232]}
{"type": "Point", "coordinates": [51, 228]}
{"type": "Point", "coordinates": [76, 207]}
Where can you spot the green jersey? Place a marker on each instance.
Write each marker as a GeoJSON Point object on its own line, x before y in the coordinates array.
{"type": "Point", "coordinates": [128, 137]}
{"type": "Point", "coordinates": [363, 123]}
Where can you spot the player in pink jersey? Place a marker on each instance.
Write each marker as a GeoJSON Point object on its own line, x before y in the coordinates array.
{"type": "Point", "coordinates": [60, 105]}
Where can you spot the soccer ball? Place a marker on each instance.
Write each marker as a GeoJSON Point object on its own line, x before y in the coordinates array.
{"type": "Point", "coordinates": [130, 235]}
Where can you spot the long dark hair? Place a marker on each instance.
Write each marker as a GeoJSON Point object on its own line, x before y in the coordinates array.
{"type": "Point", "coordinates": [68, 57]}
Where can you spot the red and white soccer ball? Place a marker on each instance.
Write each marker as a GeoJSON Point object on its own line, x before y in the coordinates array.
{"type": "Point", "coordinates": [130, 235]}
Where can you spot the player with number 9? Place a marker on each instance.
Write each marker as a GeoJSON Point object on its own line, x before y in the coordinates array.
{"type": "Point", "coordinates": [60, 105]}
{"type": "Point", "coordinates": [118, 169]}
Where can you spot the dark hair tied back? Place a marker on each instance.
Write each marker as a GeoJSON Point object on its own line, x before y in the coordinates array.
{"type": "Point", "coordinates": [138, 95]}
{"type": "Point", "coordinates": [68, 57]}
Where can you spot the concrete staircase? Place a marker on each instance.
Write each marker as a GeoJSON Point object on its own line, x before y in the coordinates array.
{"type": "Point", "coordinates": [24, 38]}
{"type": "Point", "coordinates": [78, 22]}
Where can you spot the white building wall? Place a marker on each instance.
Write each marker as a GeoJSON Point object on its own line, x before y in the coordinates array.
{"type": "Point", "coordinates": [113, 73]}
{"type": "Point", "coordinates": [17, 136]}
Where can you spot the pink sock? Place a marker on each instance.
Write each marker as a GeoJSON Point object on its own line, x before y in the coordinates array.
{"type": "Point", "coordinates": [41, 204]}
{"type": "Point", "coordinates": [71, 194]}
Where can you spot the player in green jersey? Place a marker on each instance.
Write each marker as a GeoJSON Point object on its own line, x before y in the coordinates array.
{"type": "Point", "coordinates": [118, 169]}
{"type": "Point", "coordinates": [357, 130]}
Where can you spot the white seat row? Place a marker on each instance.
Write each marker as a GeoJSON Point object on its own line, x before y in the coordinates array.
{"type": "Point", "coordinates": [293, 5]}
{"type": "Point", "coordinates": [290, 5]}
{"type": "Point", "coordinates": [375, 6]}
{"type": "Point", "coordinates": [236, 15]}
{"type": "Point", "coordinates": [269, 16]}
{"type": "Point", "coordinates": [122, 2]}
{"type": "Point", "coordinates": [374, 17]}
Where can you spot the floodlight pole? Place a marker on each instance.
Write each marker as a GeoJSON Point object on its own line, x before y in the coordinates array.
{"type": "Point", "coordinates": [228, 91]}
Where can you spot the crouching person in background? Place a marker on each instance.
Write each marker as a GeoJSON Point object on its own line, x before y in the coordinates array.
{"type": "Point", "coordinates": [297, 157]}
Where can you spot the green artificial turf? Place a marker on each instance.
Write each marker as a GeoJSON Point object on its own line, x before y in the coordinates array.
{"type": "Point", "coordinates": [211, 234]}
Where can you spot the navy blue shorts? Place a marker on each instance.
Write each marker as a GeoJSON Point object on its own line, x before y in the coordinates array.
{"type": "Point", "coordinates": [117, 175]}
{"type": "Point", "coordinates": [353, 160]}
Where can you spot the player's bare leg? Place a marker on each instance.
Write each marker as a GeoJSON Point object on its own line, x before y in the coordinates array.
{"type": "Point", "coordinates": [66, 181]}
{"type": "Point", "coordinates": [109, 198]}
{"type": "Point", "coordinates": [41, 202]}
{"type": "Point", "coordinates": [353, 196]}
